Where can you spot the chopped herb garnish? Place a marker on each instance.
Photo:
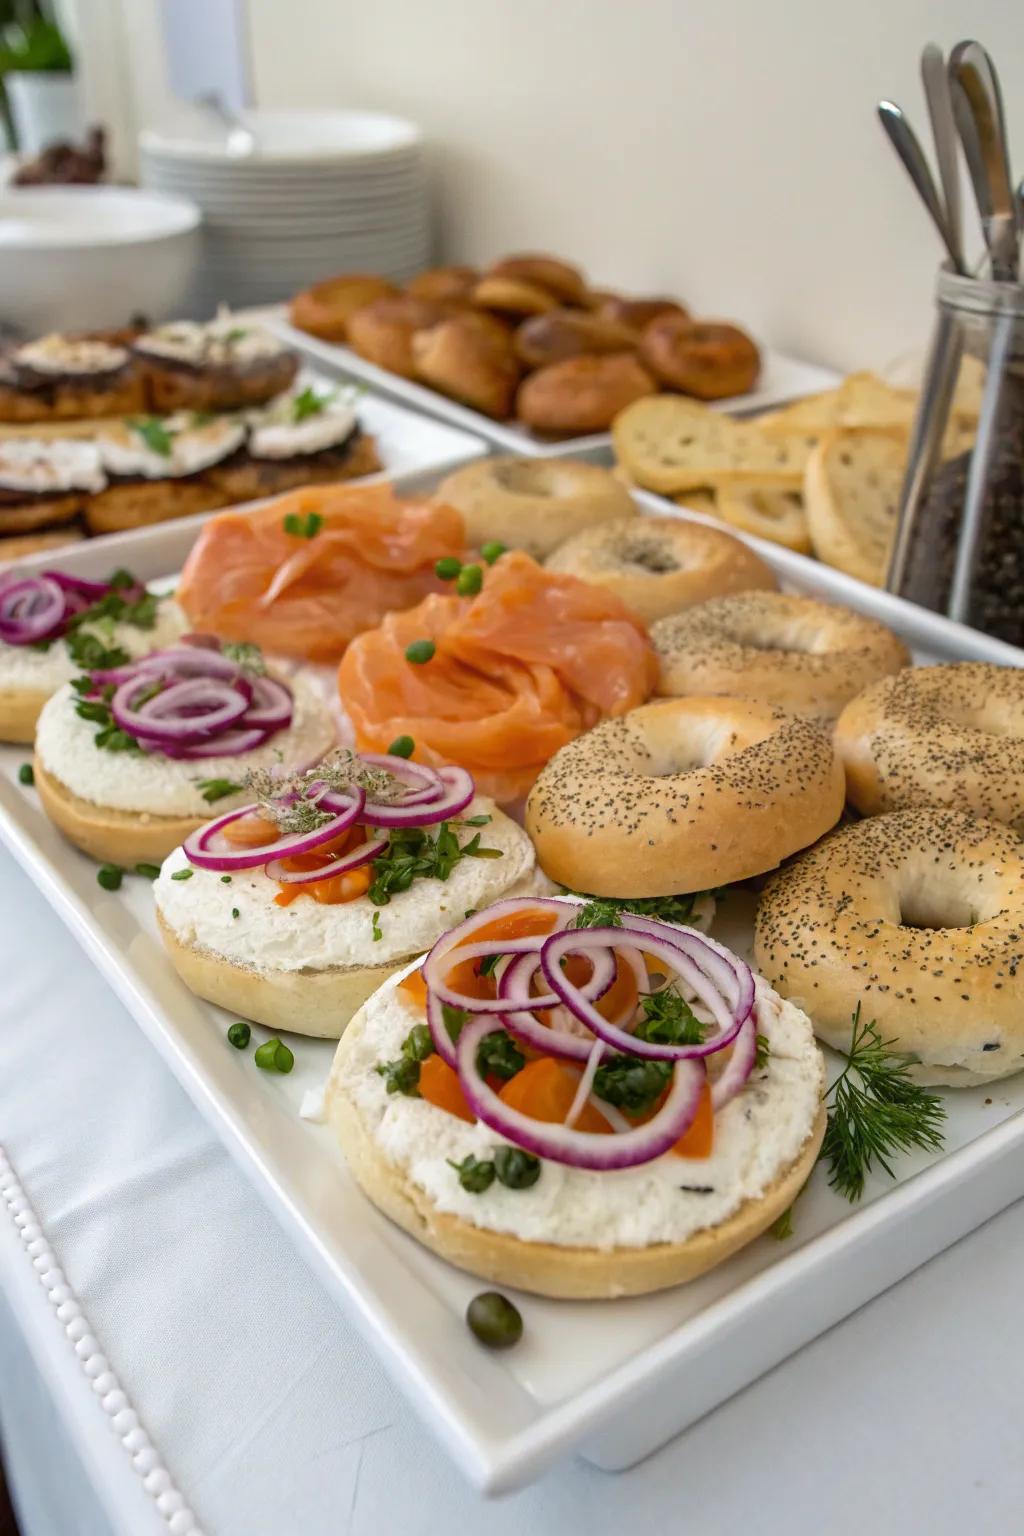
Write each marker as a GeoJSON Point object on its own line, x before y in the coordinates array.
{"type": "Point", "coordinates": [309, 403]}
{"type": "Point", "coordinates": [225, 879]}
{"type": "Point", "coordinates": [236, 333]}
{"type": "Point", "coordinates": [606, 911]}
{"type": "Point", "coordinates": [274, 1056]}
{"type": "Point", "coordinates": [475, 1174]}
{"type": "Point", "coordinates": [454, 1020]}
{"type": "Point", "coordinates": [402, 746]}
{"type": "Point", "coordinates": [469, 581]}
{"type": "Point", "coordinates": [110, 877]}
{"type": "Point", "coordinates": [492, 551]}
{"type": "Point", "coordinates": [147, 871]}
{"type": "Point", "coordinates": [761, 1055]}
{"type": "Point", "coordinates": [419, 652]}
{"type": "Point", "coordinates": [26, 774]}
{"type": "Point", "coordinates": [235, 912]}
{"type": "Point", "coordinates": [401, 1076]}
{"type": "Point", "coordinates": [248, 657]}
{"type": "Point", "coordinates": [515, 1168]}
{"type": "Point", "coordinates": [213, 790]}
{"type": "Point", "coordinates": [448, 567]}
{"type": "Point", "coordinates": [631, 1083]}
{"type": "Point", "coordinates": [875, 1109]}
{"type": "Point", "coordinates": [488, 965]}
{"type": "Point", "coordinates": [413, 854]}
{"type": "Point", "coordinates": [475, 821]}
{"type": "Point", "coordinates": [499, 1056]}
{"type": "Point", "coordinates": [375, 926]}
{"type": "Point", "coordinates": [239, 1034]}
{"type": "Point", "coordinates": [418, 1043]}
{"type": "Point", "coordinates": [154, 434]}
{"type": "Point", "coordinates": [303, 527]}
{"type": "Point", "coordinates": [782, 1226]}
{"type": "Point", "coordinates": [182, 874]}
{"type": "Point", "coordinates": [668, 1020]}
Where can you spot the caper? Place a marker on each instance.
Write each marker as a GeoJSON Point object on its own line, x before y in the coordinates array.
{"type": "Point", "coordinates": [515, 1168]}
{"type": "Point", "coordinates": [494, 1320]}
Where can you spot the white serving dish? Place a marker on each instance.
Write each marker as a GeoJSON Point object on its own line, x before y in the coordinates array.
{"type": "Point", "coordinates": [783, 378]}
{"type": "Point", "coordinates": [287, 141]}
{"type": "Point", "coordinates": [611, 1380]}
{"type": "Point", "coordinates": [80, 258]}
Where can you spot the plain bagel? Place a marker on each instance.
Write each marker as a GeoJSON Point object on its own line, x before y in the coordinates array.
{"type": "Point", "coordinates": [683, 795]}
{"type": "Point", "coordinates": [950, 735]}
{"type": "Point", "coordinates": [533, 504]}
{"type": "Point", "coordinates": [661, 565]}
{"type": "Point", "coordinates": [803, 656]}
{"type": "Point", "coordinates": [124, 838]}
{"type": "Point", "coordinates": [918, 918]}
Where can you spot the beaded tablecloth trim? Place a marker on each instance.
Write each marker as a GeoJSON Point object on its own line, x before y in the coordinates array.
{"type": "Point", "coordinates": [124, 1421]}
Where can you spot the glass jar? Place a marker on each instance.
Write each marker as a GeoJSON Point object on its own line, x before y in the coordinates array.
{"type": "Point", "coordinates": [960, 548]}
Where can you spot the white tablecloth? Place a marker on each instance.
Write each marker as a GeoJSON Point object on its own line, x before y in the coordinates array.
{"type": "Point", "coordinates": [274, 1418]}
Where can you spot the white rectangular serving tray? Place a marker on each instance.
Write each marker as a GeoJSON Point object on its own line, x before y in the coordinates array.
{"type": "Point", "coordinates": [782, 378]}
{"type": "Point", "coordinates": [611, 1380]}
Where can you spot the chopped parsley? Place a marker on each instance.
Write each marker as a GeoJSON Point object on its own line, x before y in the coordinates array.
{"type": "Point", "coordinates": [403, 1074]}
{"type": "Point", "coordinates": [412, 854]}
{"type": "Point", "coordinates": [110, 737]}
{"type": "Point", "coordinates": [762, 1053]}
{"type": "Point", "coordinates": [606, 911]}
{"type": "Point", "coordinates": [154, 434]}
{"type": "Point", "coordinates": [453, 1019]}
{"type": "Point", "coordinates": [499, 1056]}
{"type": "Point", "coordinates": [182, 874]}
{"type": "Point", "coordinates": [668, 1020]}
{"type": "Point", "coordinates": [309, 403]}
{"type": "Point", "coordinates": [213, 790]}
{"type": "Point", "coordinates": [377, 935]}
{"type": "Point", "coordinates": [303, 527]}
{"type": "Point", "coordinates": [631, 1083]}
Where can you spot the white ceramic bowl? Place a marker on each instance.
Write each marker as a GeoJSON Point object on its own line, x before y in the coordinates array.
{"type": "Point", "coordinates": [291, 138]}
{"type": "Point", "coordinates": [82, 258]}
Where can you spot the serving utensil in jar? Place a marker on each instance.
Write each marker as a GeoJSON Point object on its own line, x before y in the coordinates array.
{"type": "Point", "coordinates": [907, 145]}
{"type": "Point", "coordinates": [935, 79]}
{"type": "Point", "coordinates": [980, 120]}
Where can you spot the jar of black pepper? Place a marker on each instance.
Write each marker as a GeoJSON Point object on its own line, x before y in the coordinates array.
{"type": "Point", "coordinates": [960, 547]}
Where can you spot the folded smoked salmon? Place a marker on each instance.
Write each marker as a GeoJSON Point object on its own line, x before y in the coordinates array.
{"type": "Point", "coordinates": [510, 676]}
{"type": "Point", "coordinates": [304, 574]}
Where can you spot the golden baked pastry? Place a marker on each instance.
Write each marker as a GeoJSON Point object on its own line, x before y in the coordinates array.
{"type": "Point", "coordinates": [582, 394]}
{"type": "Point", "coordinates": [512, 296]}
{"type": "Point", "coordinates": [468, 361]}
{"type": "Point", "coordinates": [37, 512]}
{"type": "Point", "coordinates": [324, 309]}
{"type": "Point", "coordinates": [244, 478]}
{"type": "Point", "coordinates": [638, 313]}
{"type": "Point", "coordinates": [138, 504]}
{"type": "Point", "coordinates": [705, 358]}
{"type": "Point", "coordinates": [556, 277]}
{"type": "Point", "coordinates": [33, 543]}
{"type": "Point", "coordinates": [563, 333]}
{"type": "Point", "coordinates": [382, 330]}
{"type": "Point", "coordinates": [444, 285]}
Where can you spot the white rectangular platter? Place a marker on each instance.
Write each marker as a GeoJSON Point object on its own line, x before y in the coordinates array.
{"type": "Point", "coordinates": [611, 1380]}
{"type": "Point", "coordinates": [782, 378]}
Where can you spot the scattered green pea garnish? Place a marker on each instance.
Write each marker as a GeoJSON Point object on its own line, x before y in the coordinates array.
{"type": "Point", "coordinates": [147, 871]}
{"type": "Point", "coordinates": [470, 580]}
{"type": "Point", "coordinates": [225, 879]}
{"type": "Point", "coordinates": [493, 1319]}
{"type": "Point", "coordinates": [26, 774]}
{"type": "Point", "coordinates": [420, 651]}
{"type": "Point", "coordinates": [234, 912]}
{"type": "Point", "coordinates": [240, 1034]}
{"type": "Point", "coordinates": [182, 874]}
{"type": "Point", "coordinates": [303, 527]}
{"type": "Point", "coordinates": [110, 877]}
{"type": "Point", "coordinates": [274, 1056]}
{"type": "Point", "coordinates": [492, 551]}
{"type": "Point", "coordinates": [448, 567]}
{"type": "Point", "coordinates": [402, 746]}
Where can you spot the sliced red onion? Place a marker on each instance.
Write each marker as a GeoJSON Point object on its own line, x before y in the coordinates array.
{"type": "Point", "coordinates": [186, 661]}
{"type": "Point", "coordinates": [271, 705]}
{"type": "Point", "coordinates": [181, 713]}
{"type": "Point", "coordinates": [562, 1144]}
{"type": "Point", "coordinates": [586, 1082]}
{"type": "Point", "coordinates": [725, 969]}
{"type": "Point", "coordinates": [340, 865]}
{"type": "Point", "coordinates": [457, 792]}
{"type": "Point", "coordinates": [594, 941]}
{"type": "Point", "coordinates": [231, 744]}
{"type": "Point", "coordinates": [203, 850]}
{"type": "Point", "coordinates": [514, 997]}
{"type": "Point", "coordinates": [416, 775]}
{"type": "Point", "coordinates": [739, 1066]}
{"type": "Point", "coordinates": [440, 958]}
{"type": "Point", "coordinates": [444, 1045]}
{"type": "Point", "coordinates": [92, 591]}
{"type": "Point", "coordinates": [31, 609]}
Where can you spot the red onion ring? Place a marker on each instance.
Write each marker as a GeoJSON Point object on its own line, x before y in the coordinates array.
{"type": "Point", "coordinates": [199, 851]}
{"type": "Point", "coordinates": [31, 609]}
{"type": "Point", "coordinates": [514, 988]}
{"type": "Point", "coordinates": [182, 713]}
{"type": "Point", "coordinates": [364, 854]}
{"type": "Point", "coordinates": [457, 792]}
{"type": "Point", "coordinates": [739, 1066]}
{"type": "Point", "coordinates": [562, 1144]}
{"type": "Point", "coordinates": [231, 744]}
{"type": "Point", "coordinates": [433, 965]}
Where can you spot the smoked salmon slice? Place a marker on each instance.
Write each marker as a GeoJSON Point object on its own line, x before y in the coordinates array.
{"type": "Point", "coordinates": [517, 672]}
{"type": "Point", "coordinates": [306, 573]}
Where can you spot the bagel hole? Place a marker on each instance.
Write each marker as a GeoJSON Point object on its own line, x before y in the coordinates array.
{"type": "Point", "coordinates": [928, 907]}
{"type": "Point", "coordinates": [523, 478]}
{"type": "Point", "coordinates": [652, 559]}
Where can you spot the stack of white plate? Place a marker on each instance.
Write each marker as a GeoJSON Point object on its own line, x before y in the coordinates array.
{"type": "Point", "coordinates": [318, 193]}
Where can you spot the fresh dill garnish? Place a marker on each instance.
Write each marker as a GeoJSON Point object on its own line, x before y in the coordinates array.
{"type": "Point", "coordinates": [154, 434]}
{"type": "Point", "coordinates": [761, 1055]}
{"type": "Point", "coordinates": [668, 1019]}
{"type": "Point", "coordinates": [413, 854]}
{"type": "Point", "coordinates": [875, 1109]}
{"type": "Point", "coordinates": [309, 403]}
{"type": "Point", "coordinates": [606, 911]}
{"type": "Point", "coordinates": [213, 790]}
{"type": "Point", "coordinates": [248, 657]}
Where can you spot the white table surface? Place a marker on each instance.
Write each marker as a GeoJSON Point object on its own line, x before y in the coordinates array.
{"type": "Point", "coordinates": [274, 1418]}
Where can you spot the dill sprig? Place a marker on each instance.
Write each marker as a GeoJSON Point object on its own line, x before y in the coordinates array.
{"type": "Point", "coordinates": [875, 1110]}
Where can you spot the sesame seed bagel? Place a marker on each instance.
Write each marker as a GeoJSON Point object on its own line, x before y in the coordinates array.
{"type": "Point", "coordinates": [918, 916]}
{"type": "Point", "coordinates": [533, 504]}
{"type": "Point", "coordinates": [951, 735]}
{"type": "Point", "coordinates": [683, 795]}
{"type": "Point", "coordinates": [803, 656]}
{"type": "Point", "coordinates": [658, 565]}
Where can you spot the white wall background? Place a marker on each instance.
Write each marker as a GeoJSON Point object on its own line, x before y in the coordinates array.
{"type": "Point", "coordinates": [724, 149]}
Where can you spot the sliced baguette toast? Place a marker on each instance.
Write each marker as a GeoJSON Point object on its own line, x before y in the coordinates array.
{"type": "Point", "coordinates": [670, 444]}
{"type": "Point", "coordinates": [851, 495]}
